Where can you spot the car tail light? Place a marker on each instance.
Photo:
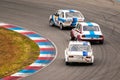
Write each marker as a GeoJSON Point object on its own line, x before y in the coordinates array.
{"type": "Point", "coordinates": [83, 35]}
{"type": "Point", "coordinates": [71, 56]}
{"type": "Point", "coordinates": [88, 56]}
{"type": "Point", "coordinates": [101, 36]}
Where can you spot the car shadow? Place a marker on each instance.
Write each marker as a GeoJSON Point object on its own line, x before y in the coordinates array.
{"type": "Point", "coordinates": [64, 29]}
{"type": "Point", "coordinates": [80, 64]}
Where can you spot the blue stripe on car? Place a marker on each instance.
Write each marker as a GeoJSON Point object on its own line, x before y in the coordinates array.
{"type": "Point", "coordinates": [74, 22]}
{"type": "Point", "coordinates": [61, 19]}
{"type": "Point", "coordinates": [53, 19]}
{"type": "Point", "coordinates": [85, 53]}
{"type": "Point", "coordinates": [89, 24]}
{"type": "Point", "coordinates": [92, 33]}
{"type": "Point", "coordinates": [72, 10]}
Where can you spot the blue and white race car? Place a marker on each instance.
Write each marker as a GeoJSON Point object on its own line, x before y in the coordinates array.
{"type": "Point", "coordinates": [65, 18]}
{"type": "Point", "coordinates": [87, 31]}
{"type": "Point", "coordinates": [79, 51]}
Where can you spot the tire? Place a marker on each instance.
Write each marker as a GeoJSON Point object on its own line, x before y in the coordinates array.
{"type": "Point", "coordinates": [90, 63]}
{"type": "Point", "coordinates": [72, 38]}
{"type": "Point", "coordinates": [67, 63]}
{"type": "Point", "coordinates": [61, 26]}
{"type": "Point", "coordinates": [101, 42]}
{"type": "Point", "coordinates": [51, 23]}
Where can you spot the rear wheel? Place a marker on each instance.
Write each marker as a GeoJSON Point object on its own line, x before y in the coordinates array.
{"type": "Point", "coordinates": [90, 63]}
{"type": "Point", "coordinates": [67, 63]}
{"type": "Point", "coordinates": [101, 41]}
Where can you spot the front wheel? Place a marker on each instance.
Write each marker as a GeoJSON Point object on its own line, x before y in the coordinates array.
{"type": "Point", "coordinates": [61, 26]}
{"type": "Point", "coordinates": [72, 38]}
{"type": "Point", "coordinates": [51, 23]}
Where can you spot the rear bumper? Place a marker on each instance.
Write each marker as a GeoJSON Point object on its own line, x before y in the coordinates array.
{"type": "Point", "coordinates": [82, 60]}
{"type": "Point", "coordinates": [92, 40]}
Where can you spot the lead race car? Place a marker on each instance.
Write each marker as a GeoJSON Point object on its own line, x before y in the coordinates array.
{"type": "Point", "coordinates": [65, 18]}
{"type": "Point", "coordinates": [87, 31]}
{"type": "Point", "coordinates": [79, 51]}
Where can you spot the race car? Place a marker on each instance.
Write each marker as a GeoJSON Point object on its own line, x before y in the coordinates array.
{"type": "Point", "coordinates": [79, 51]}
{"type": "Point", "coordinates": [87, 31]}
{"type": "Point", "coordinates": [65, 18]}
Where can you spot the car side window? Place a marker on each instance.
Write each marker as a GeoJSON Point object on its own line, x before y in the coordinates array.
{"type": "Point", "coordinates": [60, 15]}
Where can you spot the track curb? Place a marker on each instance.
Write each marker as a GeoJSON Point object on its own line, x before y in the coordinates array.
{"type": "Point", "coordinates": [47, 52]}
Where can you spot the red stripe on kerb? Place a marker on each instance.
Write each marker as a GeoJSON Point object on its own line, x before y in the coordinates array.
{"type": "Point", "coordinates": [45, 58]}
{"type": "Point", "coordinates": [33, 67]}
{"type": "Point", "coordinates": [41, 40]}
{"type": "Point", "coordinates": [27, 32]}
{"type": "Point", "coordinates": [8, 26]}
{"type": "Point", "coordinates": [45, 49]}
{"type": "Point", "coordinates": [11, 78]}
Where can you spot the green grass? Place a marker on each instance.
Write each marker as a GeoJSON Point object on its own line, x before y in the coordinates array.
{"type": "Point", "coordinates": [16, 52]}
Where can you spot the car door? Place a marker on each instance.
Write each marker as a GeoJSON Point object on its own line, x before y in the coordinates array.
{"type": "Point", "coordinates": [61, 18]}
{"type": "Point", "coordinates": [57, 17]}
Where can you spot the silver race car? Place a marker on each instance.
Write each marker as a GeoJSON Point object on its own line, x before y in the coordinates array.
{"type": "Point", "coordinates": [79, 51]}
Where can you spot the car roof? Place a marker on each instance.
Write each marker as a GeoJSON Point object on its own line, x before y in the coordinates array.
{"type": "Point", "coordinates": [68, 10]}
{"type": "Point", "coordinates": [79, 42]}
{"type": "Point", "coordinates": [88, 24]}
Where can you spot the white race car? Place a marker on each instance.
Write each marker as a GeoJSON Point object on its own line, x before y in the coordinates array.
{"type": "Point", "coordinates": [87, 31]}
{"type": "Point", "coordinates": [79, 51]}
{"type": "Point", "coordinates": [65, 18]}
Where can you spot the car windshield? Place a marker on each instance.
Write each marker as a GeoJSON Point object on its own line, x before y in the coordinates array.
{"type": "Point", "coordinates": [73, 14]}
{"type": "Point", "coordinates": [90, 28]}
{"type": "Point", "coordinates": [79, 47]}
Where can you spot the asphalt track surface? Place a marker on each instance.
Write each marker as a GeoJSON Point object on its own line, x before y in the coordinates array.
{"type": "Point", "coordinates": [33, 15]}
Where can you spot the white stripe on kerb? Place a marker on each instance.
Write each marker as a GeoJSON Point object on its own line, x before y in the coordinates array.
{"type": "Point", "coordinates": [46, 55]}
{"type": "Point", "coordinates": [22, 31]}
{"type": "Point", "coordinates": [21, 74]}
{"type": "Point", "coordinates": [38, 64]}
{"type": "Point", "coordinates": [45, 46]}
{"type": "Point", "coordinates": [3, 24]}
{"type": "Point", "coordinates": [37, 38]}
